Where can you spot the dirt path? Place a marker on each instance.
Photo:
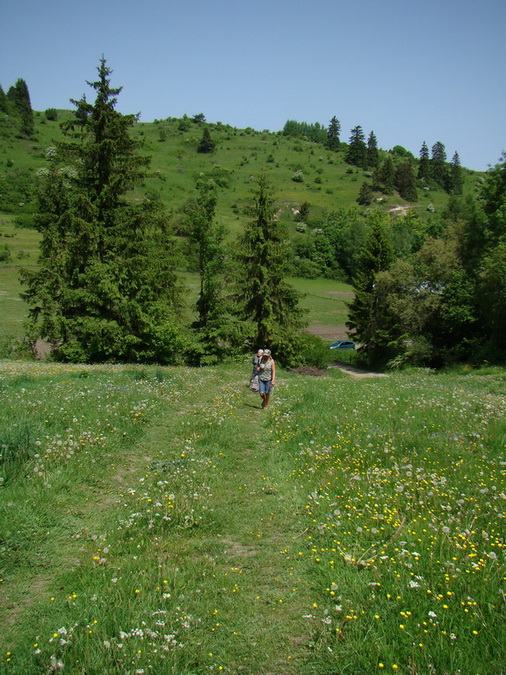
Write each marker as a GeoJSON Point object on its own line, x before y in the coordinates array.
{"type": "Point", "coordinates": [355, 372]}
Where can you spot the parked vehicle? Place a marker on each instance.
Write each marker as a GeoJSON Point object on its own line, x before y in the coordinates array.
{"type": "Point", "coordinates": [342, 344]}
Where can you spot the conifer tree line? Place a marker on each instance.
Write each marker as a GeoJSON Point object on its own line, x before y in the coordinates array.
{"type": "Point", "coordinates": [107, 288]}
{"type": "Point", "coordinates": [17, 102]}
{"type": "Point", "coordinates": [394, 170]}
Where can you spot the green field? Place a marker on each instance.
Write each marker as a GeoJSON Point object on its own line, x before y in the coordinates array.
{"type": "Point", "coordinates": [323, 299]}
{"type": "Point", "coordinates": [157, 520]}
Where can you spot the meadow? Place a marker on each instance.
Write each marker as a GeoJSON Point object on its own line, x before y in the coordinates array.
{"type": "Point", "coordinates": [156, 520]}
{"type": "Point", "coordinates": [240, 155]}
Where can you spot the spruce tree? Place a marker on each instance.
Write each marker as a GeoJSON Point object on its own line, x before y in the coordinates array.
{"type": "Point", "coordinates": [20, 97]}
{"type": "Point", "coordinates": [455, 178]}
{"type": "Point", "coordinates": [376, 255]}
{"type": "Point", "coordinates": [4, 102]}
{"type": "Point", "coordinates": [438, 167]}
{"type": "Point", "coordinates": [206, 144]}
{"type": "Point", "coordinates": [387, 176]}
{"type": "Point", "coordinates": [357, 149]}
{"type": "Point", "coordinates": [205, 238]}
{"type": "Point", "coordinates": [424, 165]}
{"type": "Point", "coordinates": [264, 296]}
{"type": "Point", "coordinates": [365, 195]}
{"type": "Point", "coordinates": [333, 132]}
{"type": "Point", "coordinates": [372, 151]}
{"type": "Point", "coordinates": [105, 289]}
{"type": "Point", "coordinates": [405, 181]}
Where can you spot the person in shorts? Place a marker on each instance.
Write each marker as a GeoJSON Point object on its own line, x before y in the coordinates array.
{"type": "Point", "coordinates": [266, 370]}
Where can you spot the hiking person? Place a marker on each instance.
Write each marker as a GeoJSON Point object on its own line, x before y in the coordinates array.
{"type": "Point", "coordinates": [255, 361]}
{"type": "Point", "coordinates": [253, 382]}
{"type": "Point", "coordinates": [266, 370]}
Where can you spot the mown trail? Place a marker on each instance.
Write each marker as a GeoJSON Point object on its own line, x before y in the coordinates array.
{"type": "Point", "coordinates": [245, 558]}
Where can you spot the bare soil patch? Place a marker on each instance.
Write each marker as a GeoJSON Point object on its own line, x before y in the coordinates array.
{"type": "Point", "coordinates": [355, 372]}
{"type": "Point", "coordinates": [342, 294]}
{"type": "Point", "coordinates": [326, 332]}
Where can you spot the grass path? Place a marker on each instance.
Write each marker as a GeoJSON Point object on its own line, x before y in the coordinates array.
{"type": "Point", "coordinates": [248, 556]}
{"type": "Point", "coordinates": [226, 570]}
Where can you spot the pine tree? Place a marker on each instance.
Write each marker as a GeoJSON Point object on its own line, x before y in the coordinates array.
{"type": "Point", "coordinates": [105, 289]}
{"type": "Point", "coordinates": [375, 256]}
{"type": "Point", "coordinates": [387, 176]}
{"type": "Point", "coordinates": [438, 168]}
{"type": "Point", "coordinates": [424, 165]}
{"type": "Point", "coordinates": [333, 132]}
{"type": "Point", "coordinates": [205, 238]}
{"type": "Point", "coordinates": [365, 195]}
{"type": "Point", "coordinates": [405, 181]}
{"type": "Point", "coordinates": [357, 149]}
{"type": "Point", "coordinates": [455, 178]}
{"type": "Point", "coordinates": [4, 102]}
{"type": "Point", "coordinates": [372, 151]}
{"type": "Point", "coordinates": [206, 145]}
{"type": "Point", "coordinates": [265, 297]}
{"type": "Point", "coordinates": [20, 97]}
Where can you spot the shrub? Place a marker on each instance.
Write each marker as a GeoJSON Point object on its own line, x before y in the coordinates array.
{"type": "Point", "coordinates": [51, 114]}
{"type": "Point", "coordinates": [5, 253]}
{"type": "Point", "coordinates": [314, 351]}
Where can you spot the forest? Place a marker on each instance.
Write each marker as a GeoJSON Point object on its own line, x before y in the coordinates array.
{"type": "Point", "coordinates": [121, 207]}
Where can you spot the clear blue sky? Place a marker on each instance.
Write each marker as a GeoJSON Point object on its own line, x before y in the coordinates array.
{"type": "Point", "coordinates": [409, 70]}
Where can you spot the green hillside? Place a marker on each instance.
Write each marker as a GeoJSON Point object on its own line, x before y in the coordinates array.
{"type": "Point", "coordinates": [240, 154]}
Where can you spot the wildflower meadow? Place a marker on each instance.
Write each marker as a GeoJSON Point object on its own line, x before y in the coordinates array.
{"type": "Point", "coordinates": [157, 520]}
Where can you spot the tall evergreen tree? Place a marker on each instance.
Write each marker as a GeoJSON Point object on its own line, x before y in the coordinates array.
{"type": "Point", "coordinates": [357, 149]}
{"type": "Point", "coordinates": [205, 238]}
{"type": "Point", "coordinates": [438, 167]}
{"type": "Point", "coordinates": [387, 176]}
{"type": "Point", "coordinates": [455, 178]}
{"type": "Point", "coordinates": [405, 181]}
{"type": "Point", "coordinates": [4, 101]}
{"type": "Point", "coordinates": [20, 97]}
{"type": "Point", "coordinates": [206, 145]}
{"type": "Point", "coordinates": [376, 256]}
{"type": "Point", "coordinates": [424, 165]}
{"type": "Point", "coordinates": [365, 194]}
{"type": "Point", "coordinates": [264, 296]}
{"type": "Point", "coordinates": [372, 151]}
{"type": "Point", "coordinates": [333, 132]}
{"type": "Point", "coordinates": [105, 289]}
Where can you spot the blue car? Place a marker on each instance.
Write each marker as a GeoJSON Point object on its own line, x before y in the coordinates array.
{"type": "Point", "coordinates": [342, 344]}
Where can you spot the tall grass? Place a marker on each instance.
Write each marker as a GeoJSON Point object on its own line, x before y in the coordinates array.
{"type": "Point", "coordinates": [157, 520]}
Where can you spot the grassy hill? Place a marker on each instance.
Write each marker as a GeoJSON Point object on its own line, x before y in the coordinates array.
{"type": "Point", "coordinates": [328, 183]}
{"type": "Point", "coordinates": [240, 154]}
